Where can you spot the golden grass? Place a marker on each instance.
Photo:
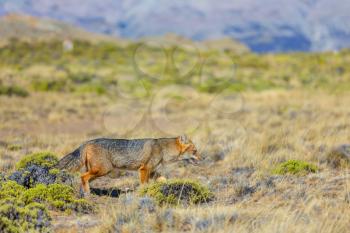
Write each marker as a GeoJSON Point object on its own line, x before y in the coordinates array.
{"type": "Point", "coordinates": [250, 130]}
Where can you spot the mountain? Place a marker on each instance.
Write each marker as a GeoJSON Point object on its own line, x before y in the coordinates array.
{"type": "Point", "coordinates": [27, 27]}
{"type": "Point", "coordinates": [264, 26]}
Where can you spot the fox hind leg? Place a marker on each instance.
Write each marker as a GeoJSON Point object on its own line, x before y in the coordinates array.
{"type": "Point", "coordinates": [85, 178]}
{"type": "Point", "coordinates": [96, 163]}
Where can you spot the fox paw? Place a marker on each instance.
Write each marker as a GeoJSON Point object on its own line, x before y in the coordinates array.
{"type": "Point", "coordinates": [83, 194]}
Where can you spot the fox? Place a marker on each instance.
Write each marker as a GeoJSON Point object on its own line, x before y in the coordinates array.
{"type": "Point", "coordinates": [98, 157]}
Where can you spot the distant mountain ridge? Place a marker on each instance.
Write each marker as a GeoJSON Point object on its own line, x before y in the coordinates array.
{"type": "Point", "coordinates": [264, 26]}
{"type": "Point", "coordinates": [27, 27]}
{"type": "Point", "coordinates": [30, 28]}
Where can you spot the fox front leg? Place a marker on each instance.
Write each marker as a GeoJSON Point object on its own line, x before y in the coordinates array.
{"type": "Point", "coordinates": [144, 173]}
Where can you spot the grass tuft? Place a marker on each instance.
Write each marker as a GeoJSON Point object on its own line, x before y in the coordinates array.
{"type": "Point", "coordinates": [295, 167]}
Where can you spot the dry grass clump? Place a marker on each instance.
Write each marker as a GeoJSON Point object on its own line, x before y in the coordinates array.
{"type": "Point", "coordinates": [339, 157]}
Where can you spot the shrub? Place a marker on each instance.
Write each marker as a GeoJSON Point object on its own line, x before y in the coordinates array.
{"type": "Point", "coordinates": [178, 191]}
{"type": "Point", "coordinates": [10, 189]}
{"type": "Point", "coordinates": [295, 167]}
{"type": "Point", "coordinates": [14, 147]}
{"type": "Point", "coordinates": [16, 217]}
{"type": "Point", "coordinates": [43, 159]}
{"type": "Point", "coordinates": [58, 196]}
{"type": "Point", "coordinates": [52, 85]}
{"type": "Point", "coordinates": [13, 91]}
{"type": "Point", "coordinates": [32, 175]}
{"type": "Point", "coordinates": [54, 196]}
{"type": "Point", "coordinates": [91, 88]}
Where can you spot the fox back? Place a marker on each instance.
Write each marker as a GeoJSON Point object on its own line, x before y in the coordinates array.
{"type": "Point", "coordinates": [124, 153]}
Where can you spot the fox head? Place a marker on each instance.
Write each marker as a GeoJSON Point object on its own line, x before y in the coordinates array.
{"type": "Point", "coordinates": [186, 146]}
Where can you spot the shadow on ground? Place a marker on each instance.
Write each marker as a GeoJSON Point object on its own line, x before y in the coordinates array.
{"type": "Point", "coordinates": [111, 192]}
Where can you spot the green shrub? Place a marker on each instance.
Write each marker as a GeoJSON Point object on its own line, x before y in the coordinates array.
{"type": "Point", "coordinates": [16, 217]}
{"type": "Point", "coordinates": [44, 159]}
{"type": "Point", "coordinates": [79, 78]}
{"type": "Point", "coordinates": [49, 85]}
{"type": "Point", "coordinates": [14, 147]}
{"type": "Point", "coordinates": [13, 91]}
{"type": "Point", "coordinates": [295, 167]}
{"type": "Point", "coordinates": [178, 191]}
{"type": "Point", "coordinates": [9, 189]}
{"type": "Point", "coordinates": [56, 196]}
{"type": "Point", "coordinates": [90, 88]}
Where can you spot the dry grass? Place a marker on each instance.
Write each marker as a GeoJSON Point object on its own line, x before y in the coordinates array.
{"type": "Point", "coordinates": [241, 139]}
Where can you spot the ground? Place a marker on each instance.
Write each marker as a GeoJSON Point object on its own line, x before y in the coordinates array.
{"type": "Point", "coordinates": [242, 137]}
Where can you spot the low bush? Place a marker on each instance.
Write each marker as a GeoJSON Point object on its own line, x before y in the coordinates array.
{"type": "Point", "coordinates": [32, 175]}
{"type": "Point", "coordinates": [43, 159]}
{"type": "Point", "coordinates": [295, 167]}
{"type": "Point", "coordinates": [178, 191]}
{"type": "Point", "coordinates": [49, 85]}
{"type": "Point", "coordinates": [17, 217]}
{"type": "Point", "coordinates": [13, 91]}
{"type": "Point", "coordinates": [56, 196]}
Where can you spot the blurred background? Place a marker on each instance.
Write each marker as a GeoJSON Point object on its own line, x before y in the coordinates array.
{"type": "Point", "coordinates": [263, 26]}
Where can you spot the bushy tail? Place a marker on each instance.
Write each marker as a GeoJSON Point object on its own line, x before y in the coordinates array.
{"type": "Point", "coordinates": [71, 161]}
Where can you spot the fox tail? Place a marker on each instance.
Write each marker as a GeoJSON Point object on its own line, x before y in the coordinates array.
{"type": "Point", "coordinates": [71, 162]}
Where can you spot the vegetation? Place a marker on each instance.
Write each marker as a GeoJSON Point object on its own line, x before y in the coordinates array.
{"type": "Point", "coordinates": [178, 191]}
{"type": "Point", "coordinates": [105, 68]}
{"type": "Point", "coordinates": [339, 157]}
{"type": "Point", "coordinates": [295, 167]}
{"type": "Point", "coordinates": [54, 196]}
{"type": "Point", "coordinates": [57, 196]}
{"type": "Point", "coordinates": [289, 106]}
{"type": "Point", "coordinates": [16, 217]}
{"type": "Point", "coordinates": [27, 209]}
{"type": "Point", "coordinates": [28, 194]}
{"type": "Point", "coordinates": [13, 91]}
{"type": "Point", "coordinates": [43, 159]}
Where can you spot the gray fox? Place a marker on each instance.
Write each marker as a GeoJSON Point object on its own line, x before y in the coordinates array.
{"type": "Point", "coordinates": [100, 156]}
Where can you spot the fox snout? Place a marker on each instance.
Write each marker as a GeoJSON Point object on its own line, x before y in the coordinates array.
{"type": "Point", "coordinates": [195, 157]}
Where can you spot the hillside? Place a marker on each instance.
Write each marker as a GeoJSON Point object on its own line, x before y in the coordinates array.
{"type": "Point", "coordinates": [268, 26]}
{"type": "Point", "coordinates": [25, 27]}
